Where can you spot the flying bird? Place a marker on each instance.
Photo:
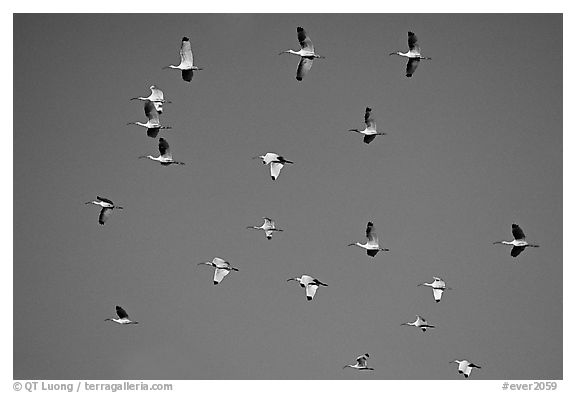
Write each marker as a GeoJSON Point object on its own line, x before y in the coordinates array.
{"type": "Point", "coordinates": [413, 54]}
{"type": "Point", "coordinates": [165, 157]}
{"type": "Point", "coordinates": [222, 269]}
{"type": "Point", "coordinates": [306, 54]}
{"type": "Point", "coordinates": [276, 163]}
{"type": "Point", "coordinates": [153, 124]}
{"type": "Point", "coordinates": [519, 243]}
{"type": "Point", "coordinates": [311, 285]}
{"type": "Point", "coordinates": [465, 367]}
{"type": "Point", "coordinates": [186, 61]}
{"type": "Point", "coordinates": [361, 363]}
{"type": "Point", "coordinates": [156, 97]}
{"type": "Point", "coordinates": [269, 227]}
{"type": "Point", "coordinates": [372, 246]}
{"type": "Point", "coordinates": [419, 323]}
{"type": "Point", "coordinates": [438, 287]}
{"type": "Point", "coordinates": [123, 318]}
{"type": "Point", "coordinates": [107, 207]}
{"type": "Point", "coordinates": [370, 131]}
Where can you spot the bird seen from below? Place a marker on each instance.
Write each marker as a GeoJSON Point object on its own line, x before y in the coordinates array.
{"type": "Point", "coordinates": [372, 245]}
{"type": "Point", "coordinates": [370, 131]}
{"type": "Point", "coordinates": [311, 285]}
{"type": "Point", "coordinates": [361, 363]}
{"type": "Point", "coordinates": [413, 54]}
{"type": "Point", "coordinates": [107, 207]}
{"type": "Point", "coordinates": [276, 163]}
{"type": "Point", "coordinates": [165, 157]}
{"type": "Point", "coordinates": [153, 124]}
{"type": "Point", "coordinates": [465, 367]}
{"type": "Point", "coordinates": [269, 227]}
{"type": "Point", "coordinates": [306, 54]}
{"type": "Point", "coordinates": [438, 287]}
{"type": "Point", "coordinates": [123, 318]}
{"type": "Point", "coordinates": [156, 97]}
{"type": "Point", "coordinates": [186, 61]}
{"type": "Point", "coordinates": [519, 243]}
{"type": "Point", "coordinates": [222, 269]}
{"type": "Point", "coordinates": [419, 323]}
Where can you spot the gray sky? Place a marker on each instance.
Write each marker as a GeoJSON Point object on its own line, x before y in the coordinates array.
{"type": "Point", "coordinates": [474, 143]}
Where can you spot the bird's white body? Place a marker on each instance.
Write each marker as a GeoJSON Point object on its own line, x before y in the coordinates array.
{"type": "Point", "coordinates": [221, 269]}
{"type": "Point", "coordinates": [419, 323]}
{"type": "Point", "coordinates": [519, 242]}
{"type": "Point", "coordinates": [309, 283]}
{"type": "Point", "coordinates": [465, 367]}
{"type": "Point", "coordinates": [165, 157]}
{"type": "Point", "coordinates": [361, 363]}
{"type": "Point", "coordinates": [371, 131]}
{"type": "Point", "coordinates": [372, 245]}
{"type": "Point", "coordinates": [306, 54]}
{"type": "Point", "coordinates": [269, 227]}
{"type": "Point", "coordinates": [107, 207]}
{"type": "Point", "coordinates": [276, 163]}
{"type": "Point", "coordinates": [438, 287]}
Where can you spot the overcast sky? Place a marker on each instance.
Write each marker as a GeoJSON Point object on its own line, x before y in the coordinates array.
{"type": "Point", "coordinates": [474, 144]}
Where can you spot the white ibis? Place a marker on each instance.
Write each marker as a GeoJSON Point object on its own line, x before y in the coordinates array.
{"type": "Point", "coordinates": [311, 285]}
{"type": "Point", "coordinates": [361, 363]}
{"type": "Point", "coordinates": [269, 227]}
{"type": "Point", "coordinates": [372, 246]}
{"type": "Point", "coordinates": [370, 131]}
{"type": "Point", "coordinates": [413, 54]}
{"type": "Point", "coordinates": [157, 98]}
{"type": "Point", "coordinates": [107, 207]}
{"type": "Point", "coordinates": [276, 163]}
{"type": "Point", "coordinates": [465, 367]}
{"type": "Point", "coordinates": [519, 243]}
{"type": "Point", "coordinates": [438, 287]}
{"type": "Point", "coordinates": [165, 157]}
{"type": "Point", "coordinates": [186, 61]}
{"type": "Point", "coordinates": [419, 323]}
{"type": "Point", "coordinates": [123, 318]}
{"type": "Point", "coordinates": [153, 124]}
{"type": "Point", "coordinates": [306, 54]}
{"type": "Point", "coordinates": [222, 269]}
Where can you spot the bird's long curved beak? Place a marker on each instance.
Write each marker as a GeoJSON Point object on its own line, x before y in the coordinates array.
{"type": "Point", "coordinates": [393, 53]}
{"type": "Point", "coordinates": [132, 122]}
{"type": "Point", "coordinates": [135, 98]}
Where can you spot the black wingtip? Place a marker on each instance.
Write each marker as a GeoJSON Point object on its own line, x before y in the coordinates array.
{"type": "Point", "coordinates": [298, 78]}
{"type": "Point", "coordinates": [299, 29]}
{"type": "Point", "coordinates": [409, 75]}
{"type": "Point", "coordinates": [465, 376]}
{"type": "Point", "coordinates": [410, 33]}
{"type": "Point", "coordinates": [309, 297]}
{"type": "Point", "coordinates": [437, 301]}
{"type": "Point", "coordinates": [215, 282]}
{"type": "Point", "coordinates": [185, 39]}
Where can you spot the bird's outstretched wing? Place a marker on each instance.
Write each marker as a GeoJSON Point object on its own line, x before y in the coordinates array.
{"type": "Point", "coordinates": [153, 132]}
{"type": "Point", "coordinates": [275, 168]}
{"type": "Point", "coordinates": [516, 251]}
{"type": "Point", "coordinates": [303, 67]}
{"type": "Point", "coordinates": [187, 75]}
{"type": "Point", "coordinates": [311, 291]}
{"type": "Point", "coordinates": [362, 361]}
{"type": "Point", "coordinates": [121, 312]}
{"type": "Point", "coordinates": [304, 40]}
{"type": "Point", "coordinates": [371, 233]}
{"type": "Point", "coordinates": [412, 42]}
{"type": "Point", "coordinates": [369, 138]}
{"type": "Point", "coordinates": [437, 294]}
{"type": "Point", "coordinates": [104, 214]}
{"type": "Point", "coordinates": [369, 120]}
{"type": "Point", "coordinates": [157, 94]}
{"type": "Point", "coordinates": [517, 232]}
{"type": "Point", "coordinates": [164, 148]}
{"type": "Point", "coordinates": [104, 200]}
{"type": "Point", "coordinates": [186, 58]}
{"type": "Point", "coordinates": [151, 112]}
{"type": "Point", "coordinates": [411, 66]}
{"type": "Point", "coordinates": [219, 275]}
